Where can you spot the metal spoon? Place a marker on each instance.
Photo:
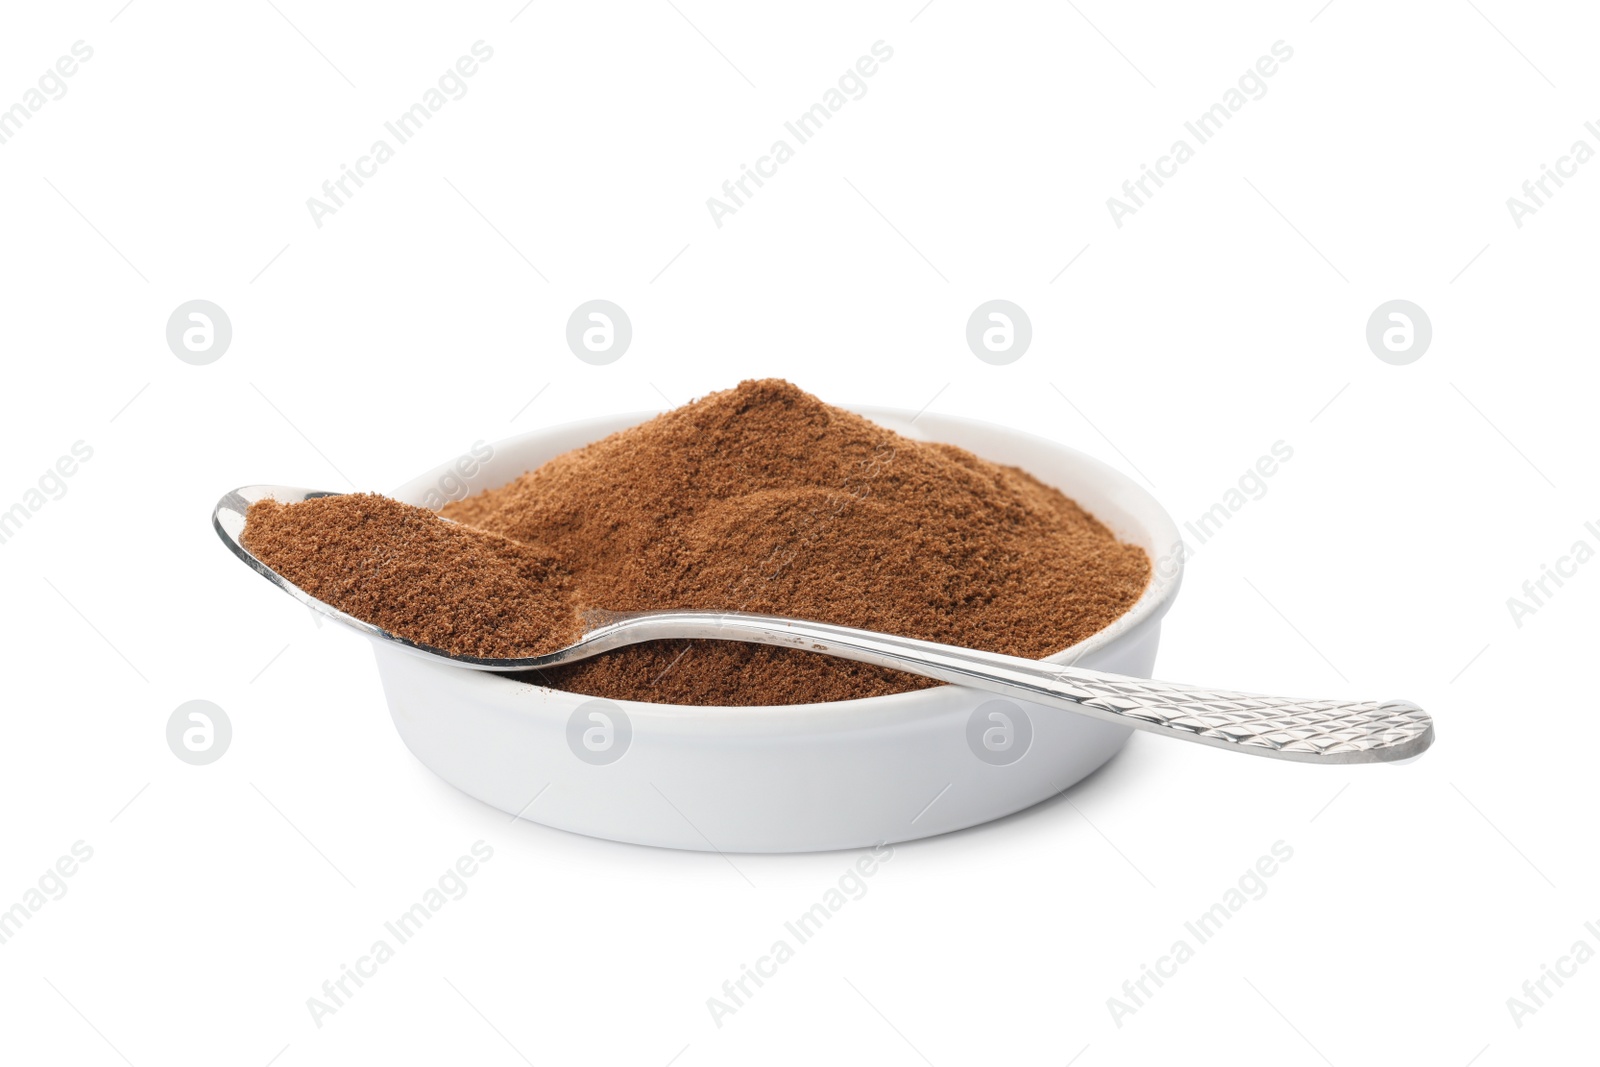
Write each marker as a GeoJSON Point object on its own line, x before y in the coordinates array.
{"type": "Point", "coordinates": [1308, 731]}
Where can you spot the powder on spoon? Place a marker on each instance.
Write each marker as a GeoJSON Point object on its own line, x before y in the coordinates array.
{"type": "Point", "coordinates": [760, 498]}
{"type": "Point", "coordinates": [406, 570]}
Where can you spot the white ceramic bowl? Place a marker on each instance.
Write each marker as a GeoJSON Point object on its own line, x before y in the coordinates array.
{"type": "Point", "coordinates": [795, 778]}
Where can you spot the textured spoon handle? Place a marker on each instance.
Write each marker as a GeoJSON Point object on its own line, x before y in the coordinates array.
{"type": "Point", "coordinates": [1317, 731]}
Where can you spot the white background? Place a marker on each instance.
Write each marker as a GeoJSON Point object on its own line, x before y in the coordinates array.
{"type": "Point", "coordinates": [1226, 315]}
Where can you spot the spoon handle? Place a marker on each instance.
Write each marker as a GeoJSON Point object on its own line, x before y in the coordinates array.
{"type": "Point", "coordinates": [1308, 731]}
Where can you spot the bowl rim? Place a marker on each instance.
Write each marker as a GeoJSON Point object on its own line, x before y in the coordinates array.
{"type": "Point", "coordinates": [863, 712]}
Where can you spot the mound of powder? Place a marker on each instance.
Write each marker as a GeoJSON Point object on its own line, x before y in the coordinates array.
{"type": "Point", "coordinates": [403, 568]}
{"type": "Point", "coordinates": [764, 499]}
{"type": "Point", "coordinates": [760, 498]}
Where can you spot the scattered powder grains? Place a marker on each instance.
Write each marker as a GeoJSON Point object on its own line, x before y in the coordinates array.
{"type": "Point", "coordinates": [761, 499]}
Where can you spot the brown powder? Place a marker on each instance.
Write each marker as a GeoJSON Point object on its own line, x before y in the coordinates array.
{"type": "Point", "coordinates": [403, 568]}
{"type": "Point", "coordinates": [760, 498]}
